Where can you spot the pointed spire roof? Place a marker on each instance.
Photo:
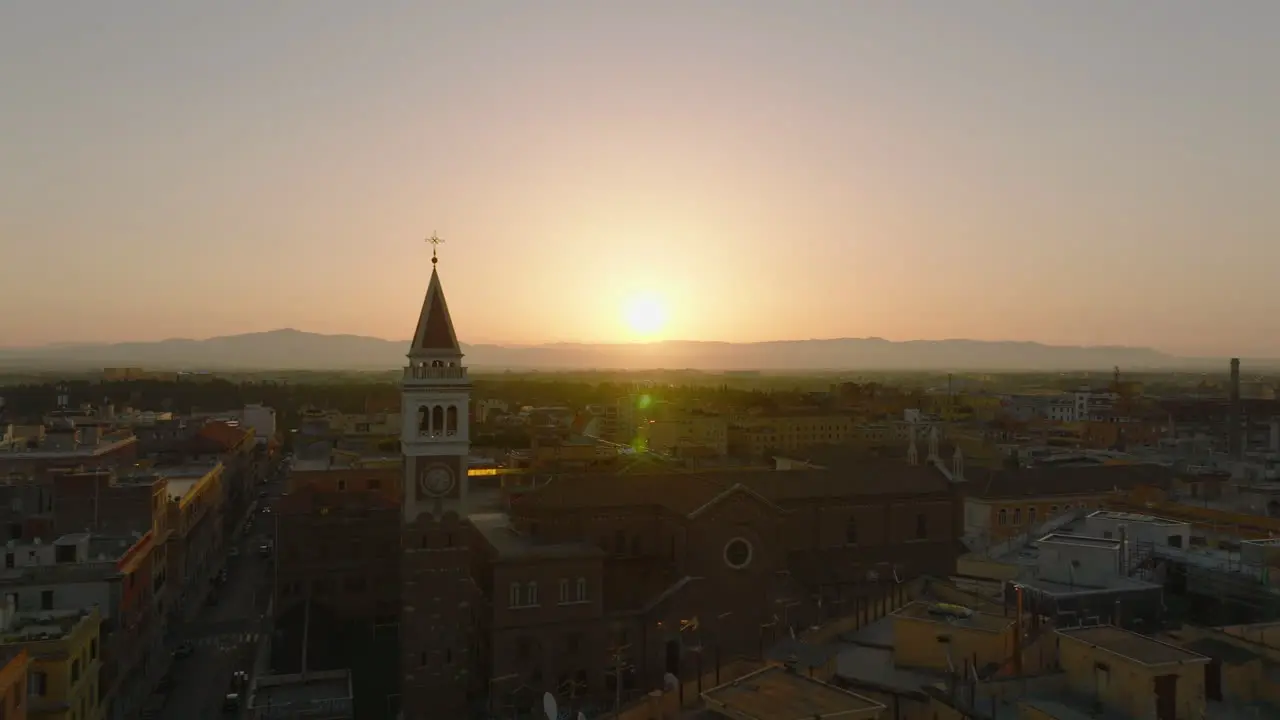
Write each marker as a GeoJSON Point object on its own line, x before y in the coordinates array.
{"type": "Point", "coordinates": [434, 335]}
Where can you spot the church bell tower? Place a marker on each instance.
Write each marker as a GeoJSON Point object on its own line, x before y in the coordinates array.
{"type": "Point", "coordinates": [434, 409]}
{"type": "Point", "coordinates": [439, 597]}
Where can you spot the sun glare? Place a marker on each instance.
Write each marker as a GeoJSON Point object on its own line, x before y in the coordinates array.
{"type": "Point", "coordinates": [646, 316]}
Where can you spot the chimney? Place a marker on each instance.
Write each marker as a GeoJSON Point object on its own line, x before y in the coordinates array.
{"type": "Point", "coordinates": [1234, 441]}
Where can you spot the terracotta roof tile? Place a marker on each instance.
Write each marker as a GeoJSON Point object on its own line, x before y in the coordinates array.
{"type": "Point", "coordinates": [223, 434]}
{"type": "Point", "coordinates": [1070, 480]}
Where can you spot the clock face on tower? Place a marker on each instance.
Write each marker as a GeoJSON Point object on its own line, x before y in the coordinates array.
{"type": "Point", "coordinates": [436, 480]}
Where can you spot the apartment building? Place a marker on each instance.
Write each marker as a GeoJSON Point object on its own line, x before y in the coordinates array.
{"type": "Point", "coordinates": [64, 646]}
{"type": "Point", "coordinates": [123, 577]}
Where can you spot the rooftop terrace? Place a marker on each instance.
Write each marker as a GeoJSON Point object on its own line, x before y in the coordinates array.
{"type": "Point", "coordinates": [939, 613]}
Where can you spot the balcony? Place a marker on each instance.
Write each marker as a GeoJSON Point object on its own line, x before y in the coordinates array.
{"type": "Point", "coordinates": [456, 372]}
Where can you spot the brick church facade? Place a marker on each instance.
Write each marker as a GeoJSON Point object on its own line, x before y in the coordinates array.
{"type": "Point", "coordinates": [595, 587]}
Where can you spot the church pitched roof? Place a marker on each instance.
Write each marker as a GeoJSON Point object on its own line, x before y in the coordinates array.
{"type": "Point", "coordinates": [434, 334]}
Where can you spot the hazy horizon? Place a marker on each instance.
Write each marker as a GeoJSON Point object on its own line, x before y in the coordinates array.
{"type": "Point", "coordinates": [1089, 174]}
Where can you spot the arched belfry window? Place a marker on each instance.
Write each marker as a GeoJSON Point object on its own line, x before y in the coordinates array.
{"type": "Point", "coordinates": [451, 420]}
{"type": "Point", "coordinates": [424, 419]}
{"type": "Point", "coordinates": [437, 363]}
{"type": "Point", "coordinates": [437, 419]}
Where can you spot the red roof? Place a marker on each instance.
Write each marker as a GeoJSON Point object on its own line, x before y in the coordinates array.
{"type": "Point", "coordinates": [223, 435]}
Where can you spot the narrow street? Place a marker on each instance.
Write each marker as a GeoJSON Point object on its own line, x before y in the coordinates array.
{"type": "Point", "coordinates": [202, 679]}
{"type": "Point", "coordinates": [223, 634]}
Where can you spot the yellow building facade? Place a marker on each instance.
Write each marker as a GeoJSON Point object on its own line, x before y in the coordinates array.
{"type": "Point", "coordinates": [64, 647]}
{"type": "Point", "coordinates": [925, 636]}
{"type": "Point", "coordinates": [1132, 673]}
{"type": "Point", "coordinates": [709, 433]}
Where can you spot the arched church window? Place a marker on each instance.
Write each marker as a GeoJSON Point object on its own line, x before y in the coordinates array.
{"type": "Point", "coordinates": [437, 363]}
{"type": "Point", "coordinates": [451, 420]}
{"type": "Point", "coordinates": [424, 420]}
{"type": "Point", "coordinates": [437, 420]}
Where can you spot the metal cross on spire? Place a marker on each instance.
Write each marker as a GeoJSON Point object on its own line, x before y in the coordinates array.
{"type": "Point", "coordinates": [435, 243]}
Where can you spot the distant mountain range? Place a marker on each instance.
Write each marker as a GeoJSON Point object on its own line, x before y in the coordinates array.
{"type": "Point", "coordinates": [297, 350]}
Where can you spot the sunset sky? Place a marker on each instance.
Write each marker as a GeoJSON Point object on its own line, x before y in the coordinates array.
{"type": "Point", "coordinates": [1085, 172]}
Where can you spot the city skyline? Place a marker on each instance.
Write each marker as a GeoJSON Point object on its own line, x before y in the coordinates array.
{"type": "Point", "coordinates": [1080, 175]}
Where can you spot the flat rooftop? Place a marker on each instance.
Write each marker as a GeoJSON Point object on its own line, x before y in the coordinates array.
{"type": "Point", "coordinates": [975, 621]}
{"type": "Point", "coordinates": [295, 692]}
{"type": "Point", "coordinates": [42, 625]}
{"type": "Point", "coordinates": [179, 487]}
{"type": "Point", "coordinates": [1127, 517]}
{"type": "Point", "coordinates": [1079, 540]}
{"type": "Point", "coordinates": [509, 543]}
{"type": "Point", "coordinates": [1115, 585]}
{"type": "Point", "coordinates": [1139, 648]}
{"type": "Point", "coordinates": [775, 693]}
{"type": "Point", "coordinates": [189, 470]}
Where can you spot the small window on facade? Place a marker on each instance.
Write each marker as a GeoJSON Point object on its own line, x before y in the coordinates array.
{"type": "Point", "coordinates": [1031, 516]}
{"type": "Point", "coordinates": [564, 590]}
{"type": "Point", "coordinates": [580, 592]}
{"type": "Point", "coordinates": [1017, 516]}
{"type": "Point", "coordinates": [1002, 517]}
{"type": "Point", "coordinates": [342, 485]}
{"type": "Point", "coordinates": [851, 532]}
{"type": "Point", "coordinates": [515, 595]}
{"type": "Point", "coordinates": [531, 594]}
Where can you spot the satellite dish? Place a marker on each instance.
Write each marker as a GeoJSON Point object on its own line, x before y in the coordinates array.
{"type": "Point", "coordinates": [549, 706]}
{"type": "Point", "coordinates": [670, 682]}
{"type": "Point", "coordinates": [581, 716]}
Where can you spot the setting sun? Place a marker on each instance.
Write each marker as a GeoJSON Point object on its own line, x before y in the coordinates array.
{"type": "Point", "coordinates": [646, 316]}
